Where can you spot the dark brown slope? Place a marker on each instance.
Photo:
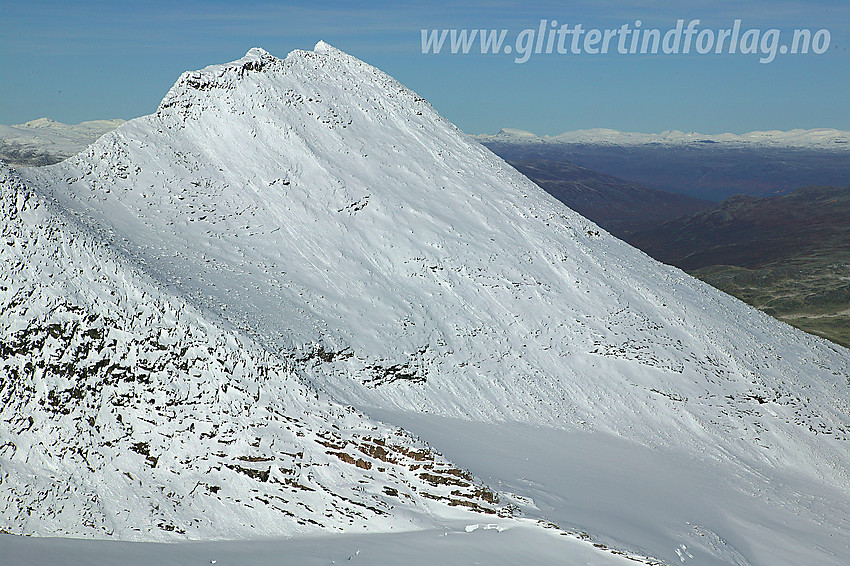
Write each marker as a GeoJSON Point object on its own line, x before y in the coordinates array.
{"type": "Point", "coordinates": [752, 232]}
{"type": "Point", "coordinates": [619, 206]}
{"type": "Point", "coordinates": [788, 256]}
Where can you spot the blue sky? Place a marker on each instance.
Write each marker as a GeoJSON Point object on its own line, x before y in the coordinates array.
{"type": "Point", "coordinates": [75, 61]}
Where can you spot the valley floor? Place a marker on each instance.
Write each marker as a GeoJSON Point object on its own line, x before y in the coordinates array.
{"type": "Point", "coordinates": [812, 294]}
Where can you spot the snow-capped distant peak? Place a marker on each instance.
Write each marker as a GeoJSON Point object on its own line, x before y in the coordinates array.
{"type": "Point", "coordinates": [43, 141]}
{"type": "Point", "coordinates": [516, 132]}
{"type": "Point", "coordinates": [257, 53]}
{"type": "Point", "coordinates": [38, 123]}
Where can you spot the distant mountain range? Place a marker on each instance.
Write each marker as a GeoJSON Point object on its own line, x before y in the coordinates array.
{"type": "Point", "coordinates": [45, 141]}
{"type": "Point", "coordinates": [817, 138]}
{"type": "Point", "coordinates": [704, 167]}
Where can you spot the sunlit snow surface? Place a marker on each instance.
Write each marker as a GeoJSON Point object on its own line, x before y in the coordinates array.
{"type": "Point", "coordinates": [320, 209]}
{"type": "Point", "coordinates": [458, 544]}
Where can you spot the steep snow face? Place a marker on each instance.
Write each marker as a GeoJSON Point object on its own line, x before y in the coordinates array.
{"type": "Point", "coordinates": [319, 207]}
{"type": "Point", "coordinates": [125, 414]}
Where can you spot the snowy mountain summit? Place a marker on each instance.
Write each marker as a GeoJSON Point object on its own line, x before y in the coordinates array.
{"type": "Point", "coordinates": [193, 302]}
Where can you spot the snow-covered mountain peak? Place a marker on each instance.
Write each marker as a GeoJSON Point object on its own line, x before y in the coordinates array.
{"type": "Point", "coordinates": [331, 216]}
{"type": "Point", "coordinates": [314, 200]}
{"type": "Point", "coordinates": [508, 132]}
{"type": "Point", "coordinates": [257, 53]}
{"type": "Point", "coordinates": [328, 49]}
{"type": "Point", "coordinates": [215, 77]}
{"type": "Point", "coordinates": [324, 80]}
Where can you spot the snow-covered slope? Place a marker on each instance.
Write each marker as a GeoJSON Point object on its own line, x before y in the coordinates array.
{"type": "Point", "coordinates": [815, 138]}
{"type": "Point", "coordinates": [123, 413]}
{"type": "Point", "coordinates": [321, 209]}
{"type": "Point", "coordinates": [45, 141]}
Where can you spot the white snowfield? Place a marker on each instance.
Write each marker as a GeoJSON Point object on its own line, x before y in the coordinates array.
{"type": "Point", "coordinates": [312, 216]}
{"type": "Point", "coordinates": [459, 544]}
{"type": "Point", "coordinates": [814, 138]}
